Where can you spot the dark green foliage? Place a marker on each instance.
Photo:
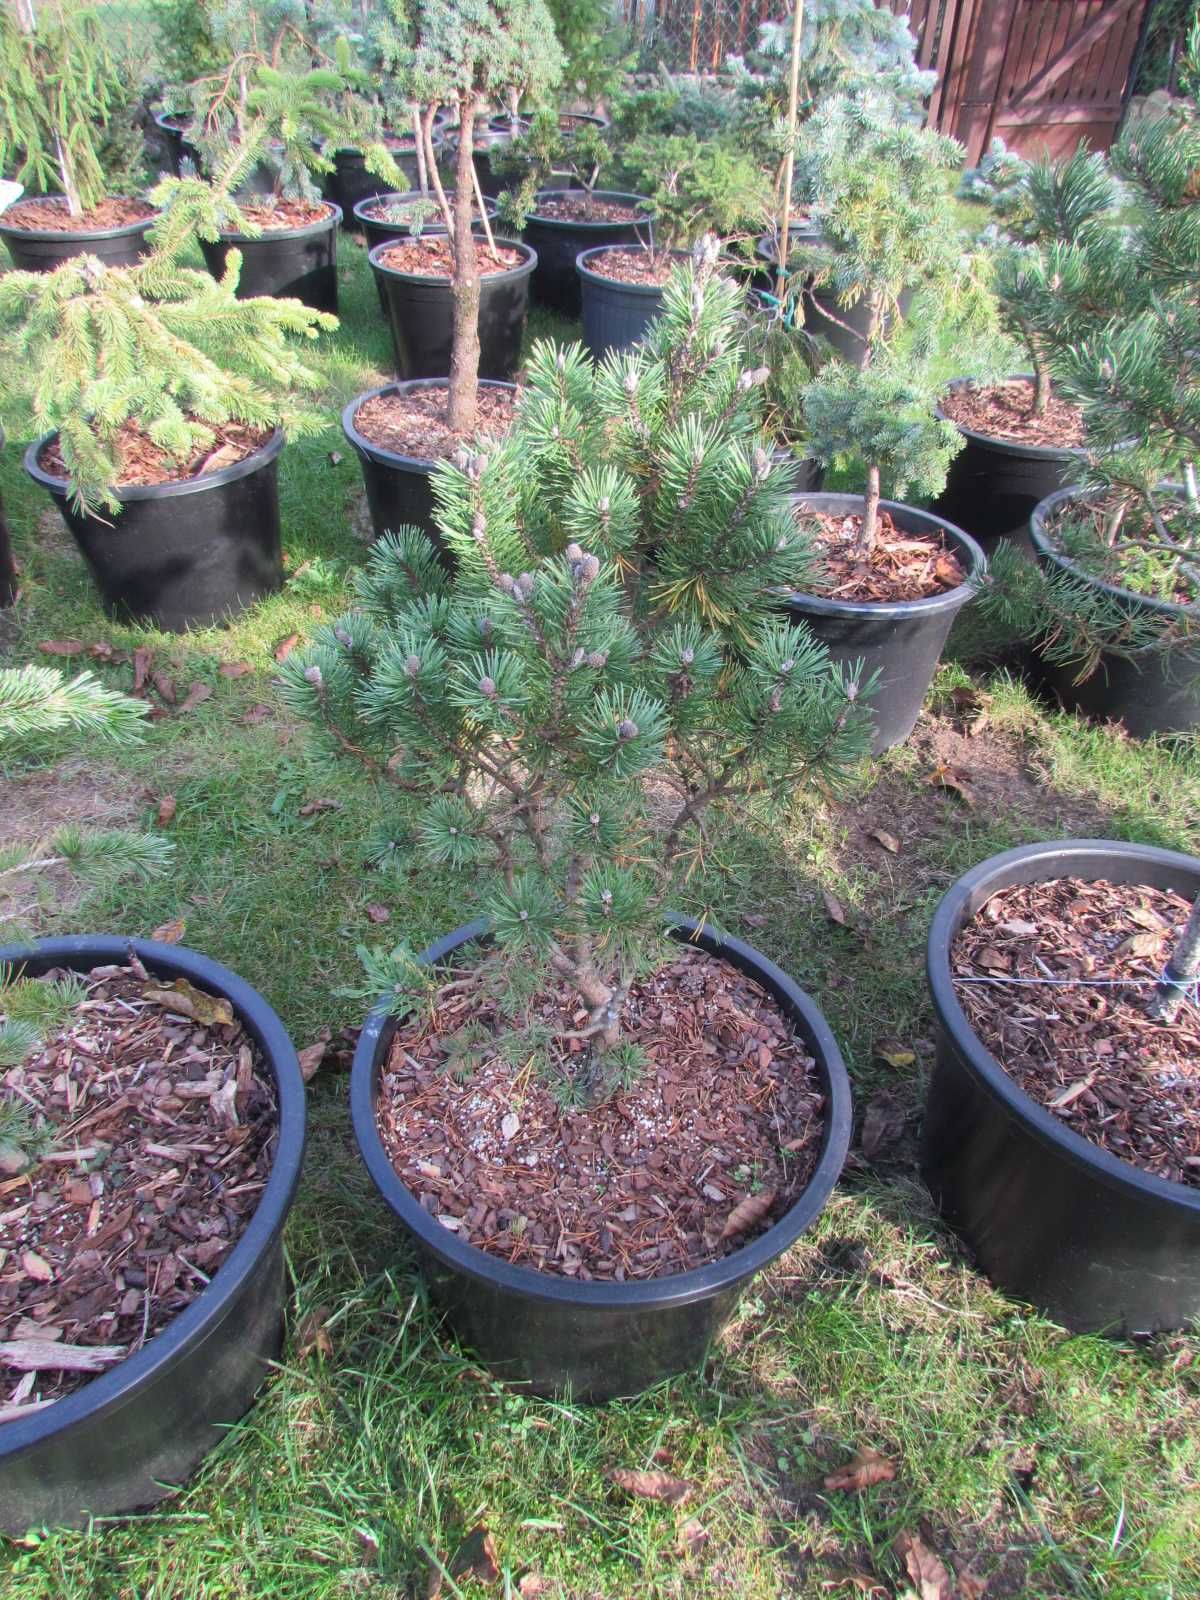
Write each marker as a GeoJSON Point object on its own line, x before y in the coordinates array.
{"type": "Point", "coordinates": [548, 155]}
{"type": "Point", "coordinates": [697, 186]}
{"type": "Point", "coordinates": [185, 46]}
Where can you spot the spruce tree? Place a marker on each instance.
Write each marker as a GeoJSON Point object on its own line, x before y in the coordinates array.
{"type": "Point", "coordinates": [612, 618]}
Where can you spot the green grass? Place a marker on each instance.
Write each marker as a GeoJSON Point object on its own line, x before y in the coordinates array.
{"type": "Point", "coordinates": [1053, 1466]}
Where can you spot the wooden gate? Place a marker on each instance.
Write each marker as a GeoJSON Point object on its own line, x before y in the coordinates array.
{"type": "Point", "coordinates": [1042, 74]}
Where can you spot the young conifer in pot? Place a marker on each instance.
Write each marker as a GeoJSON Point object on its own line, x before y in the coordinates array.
{"type": "Point", "coordinates": [611, 619]}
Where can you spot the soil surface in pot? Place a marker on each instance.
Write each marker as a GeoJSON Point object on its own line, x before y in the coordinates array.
{"type": "Point", "coordinates": [1005, 411]}
{"type": "Point", "coordinates": [415, 424]}
{"type": "Point", "coordinates": [155, 1130]}
{"type": "Point", "coordinates": [142, 462]}
{"type": "Point", "coordinates": [430, 257]}
{"type": "Point", "coordinates": [901, 566]}
{"type": "Point", "coordinates": [715, 1139]}
{"type": "Point", "coordinates": [585, 208]}
{"type": "Point", "coordinates": [1083, 1046]}
{"type": "Point", "coordinates": [52, 216]}
{"type": "Point", "coordinates": [633, 266]}
{"type": "Point", "coordinates": [274, 215]}
{"type": "Point", "coordinates": [401, 209]}
{"type": "Point", "coordinates": [1078, 531]}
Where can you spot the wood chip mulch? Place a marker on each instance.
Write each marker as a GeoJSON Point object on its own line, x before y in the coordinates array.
{"type": "Point", "coordinates": [715, 1140]}
{"type": "Point", "coordinates": [144, 462]}
{"type": "Point", "coordinates": [165, 1132]}
{"type": "Point", "coordinates": [1088, 1053]}
{"type": "Point", "coordinates": [415, 424]}
{"type": "Point", "coordinates": [274, 214]}
{"type": "Point", "coordinates": [584, 208]}
{"type": "Point", "coordinates": [430, 257]}
{"type": "Point", "coordinates": [1005, 411]}
{"type": "Point", "coordinates": [633, 266]}
{"type": "Point", "coordinates": [52, 216]}
{"type": "Point", "coordinates": [902, 566]}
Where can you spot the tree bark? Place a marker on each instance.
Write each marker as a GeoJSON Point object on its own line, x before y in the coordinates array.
{"type": "Point", "coordinates": [464, 358]}
{"type": "Point", "coordinates": [1182, 970]}
{"type": "Point", "coordinates": [8, 569]}
{"type": "Point", "coordinates": [870, 511]}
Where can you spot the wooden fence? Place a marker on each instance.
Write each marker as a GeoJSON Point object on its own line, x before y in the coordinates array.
{"type": "Point", "coordinates": [1042, 74]}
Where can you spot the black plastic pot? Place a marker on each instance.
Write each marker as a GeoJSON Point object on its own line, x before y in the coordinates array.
{"type": "Point", "coordinates": [296, 263]}
{"type": "Point", "coordinates": [399, 490]}
{"type": "Point", "coordinates": [1152, 691]}
{"type": "Point", "coordinates": [132, 1433]}
{"type": "Point", "coordinates": [486, 140]}
{"type": "Point", "coordinates": [994, 484]}
{"type": "Point", "coordinates": [766, 252]}
{"type": "Point", "coordinates": [44, 249]}
{"type": "Point", "coordinates": [807, 473]}
{"type": "Point", "coordinates": [901, 641]}
{"type": "Point", "coordinates": [350, 182]}
{"type": "Point", "coordinates": [182, 555]}
{"type": "Point", "coordinates": [559, 244]}
{"type": "Point", "coordinates": [376, 231]}
{"type": "Point", "coordinates": [420, 311]}
{"type": "Point", "coordinates": [176, 144]}
{"type": "Point", "coordinates": [615, 315]}
{"type": "Point", "coordinates": [597, 1340]}
{"type": "Point", "coordinates": [1096, 1243]}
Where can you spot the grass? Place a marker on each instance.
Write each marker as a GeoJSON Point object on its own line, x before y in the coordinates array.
{"type": "Point", "coordinates": [1044, 1464]}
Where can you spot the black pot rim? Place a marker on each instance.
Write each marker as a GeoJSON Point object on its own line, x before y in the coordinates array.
{"type": "Point", "coordinates": [270, 235]}
{"type": "Point", "coordinates": [951, 915]}
{"type": "Point", "coordinates": [521, 270]}
{"type": "Point", "coordinates": [394, 143]}
{"type": "Point", "coordinates": [1011, 447]}
{"type": "Point", "coordinates": [647, 289]}
{"type": "Point", "coordinates": [408, 197]}
{"type": "Point", "coordinates": [820, 606]}
{"type": "Point", "coordinates": [566, 226]}
{"type": "Point", "coordinates": [764, 245]}
{"type": "Point", "coordinates": [161, 120]}
{"type": "Point", "coordinates": [392, 458]}
{"type": "Point", "coordinates": [158, 491]}
{"type": "Point", "coordinates": [108, 1389]}
{"type": "Point", "coordinates": [69, 236]}
{"type": "Point", "coordinates": [677, 1289]}
{"type": "Point", "coordinates": [1041, 543]}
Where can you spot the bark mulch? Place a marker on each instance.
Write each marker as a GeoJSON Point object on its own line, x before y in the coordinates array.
{"type": "Point", "coordinates": [415, 424]}
{"type": "Point", "coordinates": [164, 1135]}
{"type": "Point", "coordinates": [901, 566]}
{"type": "Point", "coordinates": [430, 257]}
{"type": "Point", "coordinates": [1005, 411]}
{"type": "Point", "coordinates": [715, 1140]}
{"type": "Point", "coordinates": [52, 216]}
{"type": "Point", "coordinates": [274, 215]}
{"type": "Point", "coordinates": [1089, 1053]}
{"type": "Point", "coordinates": [144, 462]}
{"type": "Point", "coordinates": [633, 266]}
{"type": "Point", "coordinates": [585, 208]}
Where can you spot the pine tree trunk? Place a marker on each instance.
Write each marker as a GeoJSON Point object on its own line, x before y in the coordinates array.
{"type": "Point", "coordinates": [1041, 385]}
{"type": "Point", "coordinates": [8, 569]}
{"type": "Point", "coordinates": [1182, 970]}
{"type": "Point", "coordinates": [870, 524]}
{"type": "Point", "coordinates": [464, 358]}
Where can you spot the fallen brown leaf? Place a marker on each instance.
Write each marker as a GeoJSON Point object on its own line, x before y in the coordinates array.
{"type": "Point", "coordinates": [186, 1000]}
{"type": "Point", "coordinates": [313, 1334]}
{"type": "Point", "coordinates": [883, 1123]}
{"type": "Point", "coordinates": [142, 658]}
{"type": "Point", "coordinates": [867, 1469]}
{"type": "Point", "coordinates": [863, 1582]}
{"type": "Point", "coordinates": [834, 909]}
{"type": "Point", "coordinates": [894, 1053]}
{"type": "Point", "coordinates": [747, 1212]}
{"type": "Point", "coordinates": [198, 692]}
{"type": "Point", "coordinates": [378, 913]}
{"type": "Point", "coordinates": [165, 684]}
{"type": "Point", "coordinates": [311, 1057]}
{"type": "Point", "coordinates": [61, 647]}
{"type": "Point", "coordinates": [932, 1580]}
{"type": "Point", "coordinates": [889, 841]}
{"type": "Point", "coordinates": [311, 807]}
{"type": "Point", "coordinates": [531, 1585]}
{"type": "Point", "coordinates": [476, 1557]}
{"type": "Point", "coordinates": [170, 932]}
{"type": "Point", "coordinates": [660, 1486]}
{"type": "Point", "coordinates": [166, 810]}
{"type": "Point", "coordinates": [256, 714]}
{"type": "Point", "coordinates": [285, 646]}
{"type": "Point", "coordinates": [103, 651]}
{"type": "Point", "coordinates": [954, 780]}
{"type": "Point", "coordinates": [235, 669]}
{"type": "Point", "coordinates": [692, 1538]}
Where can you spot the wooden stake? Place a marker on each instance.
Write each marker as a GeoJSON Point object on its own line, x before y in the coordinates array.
{"type": "Point", "coordinates": [785, 216]}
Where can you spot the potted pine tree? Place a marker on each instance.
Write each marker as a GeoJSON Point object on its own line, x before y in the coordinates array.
{"type": "Point", "coordinates": [609, 633]}
{"type": "Point", "coordinates": [66, 132]}
{"type": "Point", "coordinates": [165, 398]}
{"type": "Point", "coordinates": [456, 302]}
{"type": "Point", "coordinates": [1023, 436]}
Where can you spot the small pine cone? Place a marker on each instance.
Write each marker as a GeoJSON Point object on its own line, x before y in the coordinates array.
{"type": "Point", "coordinates": [598, 659]}
{"type": "Point", "coordinates": [776, 701]}
{"type": "Point", "coordinates": [486, 630]}
{"type": "Point", "coordinates": [343, 638]}
{"type": "Point", "coordinates": [627, 729]}
{"type": "Point", "coordinates": [507, 582]}
{"type": "Point", "coordinates": [762, 464]}
{"type": "Point", "coordinates": [687, 656]}
{"type": "Point", "coordinates": [573, 552]}
{"type": "Point", "coordinates": [413, 666]}
{"type": "Point", "coordinates": [589, 569]}
{"type": "Point", "coordinates": [487, 688]}
{"type": "Point", "coordinates": [786, 666]}
{"type": "Point", "coordinates": [313, 675]}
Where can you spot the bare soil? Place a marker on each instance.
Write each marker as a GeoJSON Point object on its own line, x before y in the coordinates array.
{"type": "Point", "coordinates": [163, 1136]}
{"type": "Point", "coordinates": [73, 793]}
{"type": "Point", "coordinates": [430, 256]}
{"type": "Point", "coordinates": [631, 265]}
{"type": "Point", "coordinates": [900, 566]}
{"type": "Point", "coordinates": [1082, 1045]}
{"type": "Point", "coordinates": [714, 1141]}
{"type": "Point", "coordinates": [415, 424]}
{"type": "Point", "coordinates": [584, 208]}
{"type": "Point", "coordinates": [52, 216]}
{"type": "Point", "coordinates": [144, 462]}
{"type": "Point", "coordinates": [1005, 411]}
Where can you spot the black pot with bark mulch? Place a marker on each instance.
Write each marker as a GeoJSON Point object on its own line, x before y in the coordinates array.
{"type": "Point", "coordinates": [399, 487]}
{"type": "Point", "coordinates": [994, 483]}
{"type": "Point", "coordinates": [616, 313]}
{"type": "Point", "coordinates": [548, 1333]}
{"type": "Point", "coordinates": [1094, 1241]}
{"type": "Point", "coordinates": [844, 328]}
{"type": "Point", "coordinates": [559, 241]}
{"type": "Point", "coordinates": [420, 311]}
{"type": "Point", "coordinates": [288, 263]}
{"type": "Point", "coordinates": [35, 249]}
{"type": "Point", "coordinates": [1148, 691]}
{"type": "Point", "coordinates": [137, 1429]}
{"type": "Point", "coordinates": [351, 182]}
{"type": "Point", "coordinates": [901, 641]}
{"type": "Point", "coordinates": [172, 126]}
{"type": "Point", "coordinates": [187, 554]}
{"type": "Point", "coordinates": [377, 229]}
{"type": "Point", "coordinates": [487, 139]}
